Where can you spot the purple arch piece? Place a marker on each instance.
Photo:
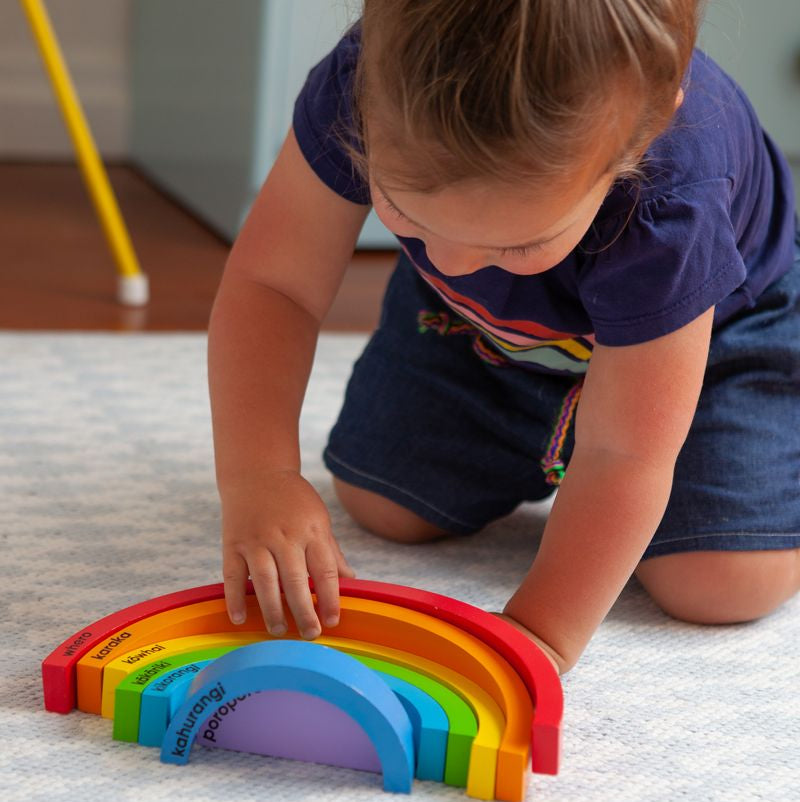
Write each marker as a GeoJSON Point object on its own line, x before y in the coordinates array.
{"type": "Point", "coordinates": [309, 668]}
{"type": "Point", "coordinates": [310, 729]}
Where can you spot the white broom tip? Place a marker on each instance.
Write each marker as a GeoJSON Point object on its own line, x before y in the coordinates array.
{"type": "Point", "coordinates": [133, 290]}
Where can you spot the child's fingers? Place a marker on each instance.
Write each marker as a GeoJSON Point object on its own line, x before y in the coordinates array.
{"type": "Point", "coordinates": [268, 592]}
{"type": "Point", "coordinates": [324, 570]}
{"type": "Point", "coordinates": [294, 580]}
{"type": "Point", "coordinates": [343, 566]}
{"type": "Point", "coordinates": [234, 576]}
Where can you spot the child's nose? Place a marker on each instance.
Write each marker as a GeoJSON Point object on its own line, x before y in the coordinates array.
{"type": "Point", "coordinates": [454, 260]}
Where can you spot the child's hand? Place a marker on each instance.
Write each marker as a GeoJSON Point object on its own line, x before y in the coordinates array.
{"type": "Point", "coordinates": [278, 527]}
{"type": "Point", "coordinates": [549, 652]}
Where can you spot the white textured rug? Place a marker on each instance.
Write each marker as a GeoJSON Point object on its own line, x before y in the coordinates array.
{"type": "Point", "coordinates": [107, 498]}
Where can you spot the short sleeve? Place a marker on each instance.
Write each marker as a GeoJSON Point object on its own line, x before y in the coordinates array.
{"type": "Point", "coordinates": [675, 258]}
{"type": "Point", "coordinates": [323, 115]}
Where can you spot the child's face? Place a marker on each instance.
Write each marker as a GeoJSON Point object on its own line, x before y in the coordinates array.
{"type": "Point", "coordinates": [469, 226]}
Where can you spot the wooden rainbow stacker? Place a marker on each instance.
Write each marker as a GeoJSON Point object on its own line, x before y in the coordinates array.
{"type": "Point", "coordinates": [410, 684]}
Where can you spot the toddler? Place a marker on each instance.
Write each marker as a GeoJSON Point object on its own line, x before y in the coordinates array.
{"type": "Point", "coordinates": [597, 290]}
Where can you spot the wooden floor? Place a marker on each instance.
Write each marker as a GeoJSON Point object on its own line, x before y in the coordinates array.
{"type": "Point", "coordinates": [56, 272]}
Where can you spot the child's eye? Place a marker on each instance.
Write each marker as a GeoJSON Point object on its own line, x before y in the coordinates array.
{"type": "Point", "coordinates": [393, 208]}
{"type": "Point", "coordinates": [519, 251]}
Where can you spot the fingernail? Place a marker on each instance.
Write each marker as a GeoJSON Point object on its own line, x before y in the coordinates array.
{"type": "Point", "coordinates": [310, 634]}
{"type": "Point", "coordinates": [238, 618]}
{"type": "Point", "coordinates": [332, 621]}
{"type": "Point", "coordinates": [277, 630]}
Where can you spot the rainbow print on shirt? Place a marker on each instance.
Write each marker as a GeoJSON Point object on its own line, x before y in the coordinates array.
{"type": "Point", "coordinates": [522, 342]}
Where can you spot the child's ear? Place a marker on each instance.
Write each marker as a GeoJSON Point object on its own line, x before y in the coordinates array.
{"type": "Point", "coordinates": [679, 99]}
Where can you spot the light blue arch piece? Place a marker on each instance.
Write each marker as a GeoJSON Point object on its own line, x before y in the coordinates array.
{"type": "Point", "coordinates": [308, 668]}
{"type": "Point", "coordinates": [161, 700]}
{"type": "Point", "coordinates": [430, 726]}
{"type": "Point", "coordinates": [162, 697]}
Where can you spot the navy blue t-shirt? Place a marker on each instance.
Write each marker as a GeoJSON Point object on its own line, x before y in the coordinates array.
{"type": "Point", "coordinates": [712, 223]}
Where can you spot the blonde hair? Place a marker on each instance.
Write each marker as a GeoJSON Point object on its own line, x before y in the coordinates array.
{"type": "Point", "coordinates": [512, 90]}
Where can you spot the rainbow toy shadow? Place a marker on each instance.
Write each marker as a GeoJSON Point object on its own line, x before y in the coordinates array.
{"type": "Point", "coordinates": [409, 683]}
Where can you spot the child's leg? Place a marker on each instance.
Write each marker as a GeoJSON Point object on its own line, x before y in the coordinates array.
{"type": "Point", "coordinates": [431, 439]}
{"type": "Point", "coordinates": [721, 587]}
{"type": "Point", "coordinates": [728, 548]}
{"type": "Point", "coordinates": [384, 517]}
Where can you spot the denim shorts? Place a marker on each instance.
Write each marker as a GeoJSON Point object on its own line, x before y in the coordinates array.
{"type": "Point", "coordinates": [459, 441]}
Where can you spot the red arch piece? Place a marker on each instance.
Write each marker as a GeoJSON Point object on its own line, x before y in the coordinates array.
{"type": "Point", "coordinates": [59, 667]}
{"type": "Point", "coordinates": [542, 682]}
{"type": "Point", "coordinates": [527, 659]}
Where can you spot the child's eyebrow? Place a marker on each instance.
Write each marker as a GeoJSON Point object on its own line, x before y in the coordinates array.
{"type": "Point", "coordinates": [531, 244]}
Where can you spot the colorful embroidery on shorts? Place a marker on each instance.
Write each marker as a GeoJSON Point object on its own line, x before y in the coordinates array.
{"type": "Point", "coordinates": [552, 464]}
{"type": "Point", "coordinates": [443, 324]}
{"type": "Point", "coordinates": [487, 353]}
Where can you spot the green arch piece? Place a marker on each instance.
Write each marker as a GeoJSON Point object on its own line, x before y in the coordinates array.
{"type": "Point", "coordinates": [463, 724]}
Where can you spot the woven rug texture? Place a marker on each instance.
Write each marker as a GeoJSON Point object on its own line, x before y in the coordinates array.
{"type": "Point", "coordinates": [107, 498]}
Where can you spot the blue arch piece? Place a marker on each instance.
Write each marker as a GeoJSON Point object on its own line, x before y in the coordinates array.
{"type": "Point", "coordinates": [162, 698]}
{"type": "Point", "coordinates": [430, 726]}
{"type": "Point", "coordinates": [309, 668]}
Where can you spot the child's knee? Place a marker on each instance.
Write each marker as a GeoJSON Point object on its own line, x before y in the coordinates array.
{"type": "Point", "coordinates": [384, 517]}
{"type": "Point", "coordinates": [719, 587]}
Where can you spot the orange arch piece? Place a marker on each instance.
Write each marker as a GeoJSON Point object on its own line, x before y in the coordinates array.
{"type": "Point", "coordinates": [363, 620]}
{"type": "Point", "coordinates": [536, 671]}
{"type": "Point", "coordinates": [412, 631]}
{"type": "Point", "coordinates": [195, 619]}
{"type": "Point", "coordinates": [59, 668]}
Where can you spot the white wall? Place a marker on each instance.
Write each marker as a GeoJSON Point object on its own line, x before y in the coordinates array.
{"type": "Point", "coordinates": [94, 36]}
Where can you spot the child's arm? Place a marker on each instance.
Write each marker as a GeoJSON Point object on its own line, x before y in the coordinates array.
{"type": "Point", "coordinates": [634, 414]}
{"type": "Point", "coordinates": [280, 279]}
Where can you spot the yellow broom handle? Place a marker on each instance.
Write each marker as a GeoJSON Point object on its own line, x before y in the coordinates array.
{"type": "Point", "coordinates": [94, 173]}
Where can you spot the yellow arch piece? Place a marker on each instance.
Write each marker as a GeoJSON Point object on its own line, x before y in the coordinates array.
{"type": "Point", "coordinates": [208, 617]}
{"type": "Point", "coordinates": [130, 662]}
{"type": "Point", "coordinates": [411, 631]}
{"type": "Point", "coordinates": [365, 620]}
{"type": "Point", "coordinates": [491, 722]}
